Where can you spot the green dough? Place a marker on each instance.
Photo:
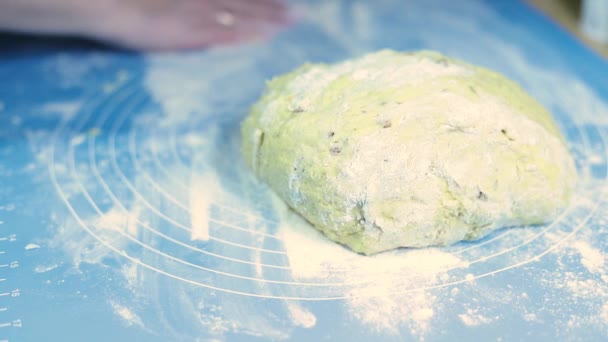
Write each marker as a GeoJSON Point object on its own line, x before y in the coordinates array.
{"type": "Point", "coordinates": [407, 150]}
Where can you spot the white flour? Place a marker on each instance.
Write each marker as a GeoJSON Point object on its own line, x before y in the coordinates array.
{"type": "Point", "coordinates": [368, 281]}
{"type": "Point", "coordinates": [45, 268]}
{"type": "Point", "coordinates": [30, 246]}
{"type": "Point", "coordinates": [473, 318]}
{"type": "Point", "coordinates": [127, 315]}
{"type": "Point", "coordinates": [405, 292]}
{"type": "Point", "coordinates": [586, 287]}
{"type": "Point", "coordinates": [300, 316]}
{"type": "Point", "coordinates": [592, 258]}
{"type": "Point", "coordinates": [202, 191]}
{"type": "Point", "coordinates": [64, 110]}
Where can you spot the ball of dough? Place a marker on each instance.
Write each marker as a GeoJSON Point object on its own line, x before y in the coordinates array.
{"type": "Point", "coordinates": [407, 150]}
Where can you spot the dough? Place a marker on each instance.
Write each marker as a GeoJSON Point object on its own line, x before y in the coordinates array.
{"type": "Point", "coordinates": [407, 150]}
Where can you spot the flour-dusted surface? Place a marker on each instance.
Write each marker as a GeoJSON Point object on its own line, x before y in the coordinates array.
{"type": "Point", "coordinates": [412, 149]}
{"type": "Point", "coordinates": [100, 153]}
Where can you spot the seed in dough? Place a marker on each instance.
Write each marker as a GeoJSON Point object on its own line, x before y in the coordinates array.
{"type": "Point", "coordinates": [407, 150]}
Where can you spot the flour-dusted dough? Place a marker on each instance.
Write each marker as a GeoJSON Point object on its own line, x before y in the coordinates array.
{"type": "Point", "coordinates": [407, 150]}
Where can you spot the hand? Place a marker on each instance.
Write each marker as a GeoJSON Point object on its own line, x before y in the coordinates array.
{"type": "Point", "coordinates": [147, 24]}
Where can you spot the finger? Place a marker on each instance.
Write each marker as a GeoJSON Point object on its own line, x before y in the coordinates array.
{"type": "Point", "coordinates": [263, 10]}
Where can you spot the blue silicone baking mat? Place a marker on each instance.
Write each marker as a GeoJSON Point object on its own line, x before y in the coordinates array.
{"type": "Point", "coordinates": [126, 212]}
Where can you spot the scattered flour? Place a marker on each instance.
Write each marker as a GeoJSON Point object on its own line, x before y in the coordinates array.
{"type": "Point", "coordinates": [30, 246]}
{"type": "Point", "coordinates": [45, 268]}
{"type": "Point", "coordinates": [388, 293]}
{"type": "Point", "coordinates": [373, 286]}
{"type": "Point", "coordinates": [585, 295]}
{"type": "Point", "coordinates": [473, 318]}
{"type": "Point", "coordinates": [388, 314]}
{"type": "Point", "coordinates": [604, 313]}
{"type": "Point", "coordinates": [118, 219]}
{"type": "Point", "coordinates": [130, 272]}
{"type": "Point", "coordinates": [300, 316]}
{"type": "Point", "coordinates": [63, 110]}
{"type": "Point", "coordinates": [129, 317]}
{"type": "Point", "coordinates": [71, 70]}
{"type": "Point", "coordinates": [77, 139]}
{"type": "Point", "coordinates": [592, 258]}
{"type": "Point", "coordinates": [204, 185]}
{"type": "Point", "coordinates": [82, 247]}
{"type": "Point", "coordinates": [531, 317]}
{"type": "Point", "coordinates": [204, 190]}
